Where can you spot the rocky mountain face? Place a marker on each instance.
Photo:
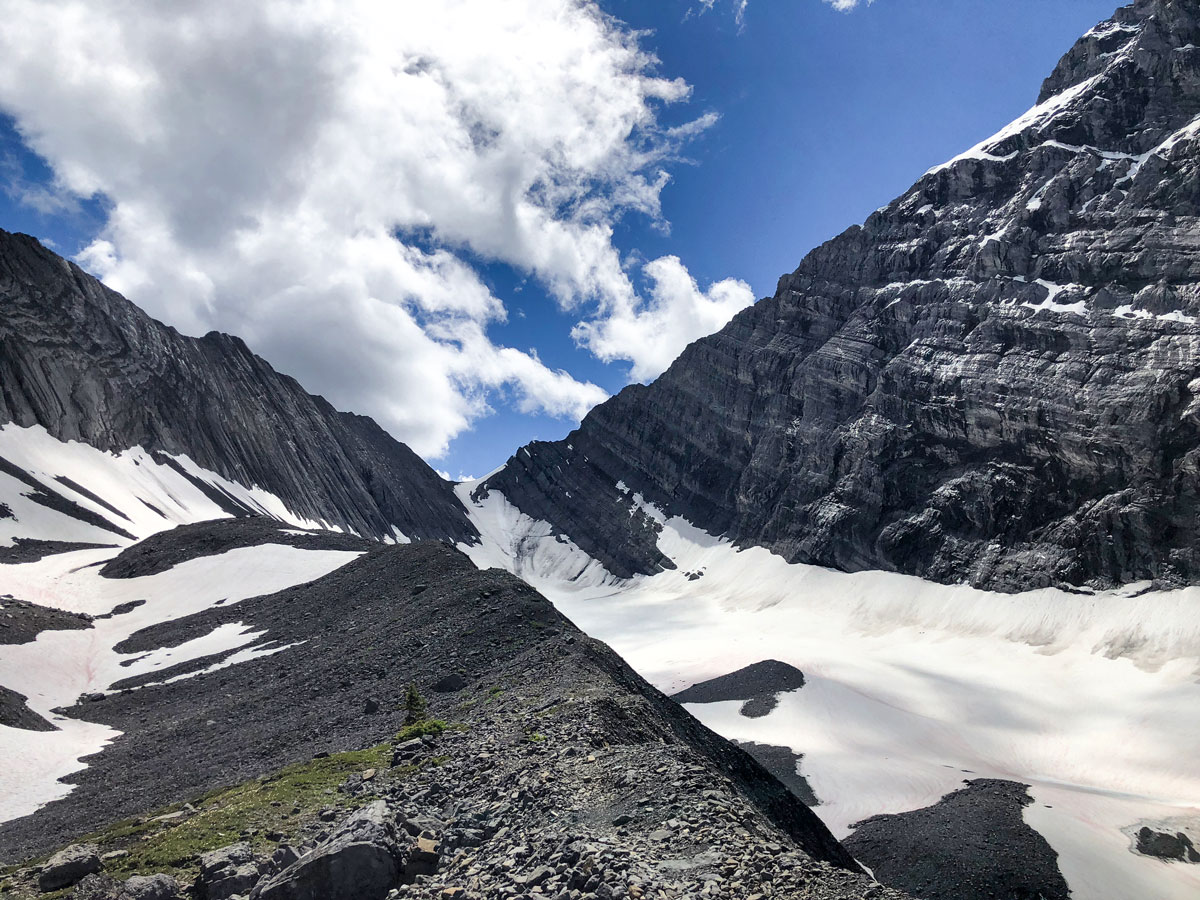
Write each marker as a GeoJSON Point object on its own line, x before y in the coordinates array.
{"type": "Point", "coordinates": [73, 354]}
{"type": "Point", "coordinates": [994, 379]}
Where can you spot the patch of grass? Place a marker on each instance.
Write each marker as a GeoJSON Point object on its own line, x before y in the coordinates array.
{"type": "Point", "coordinates": [280, 802]}
{"type": "Point", "coordinates": [431, 727]}
{"type": "Point", "coordinates": [493, 692]}
{"type": "Point", "coordinates": [535, 737]}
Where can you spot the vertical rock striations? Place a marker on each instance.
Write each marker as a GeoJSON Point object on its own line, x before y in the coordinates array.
{"type": "Point", "coordinates": [74, 354]}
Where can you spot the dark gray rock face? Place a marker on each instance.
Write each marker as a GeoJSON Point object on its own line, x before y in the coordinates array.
{"type": "Point", "coordinates": [972, 844]}
{"type": "Point", "coordinates": [74, 353]}
{"type": "Point", "coordinates": [994, 378]}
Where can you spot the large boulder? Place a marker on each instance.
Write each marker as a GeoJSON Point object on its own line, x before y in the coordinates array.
{"type": "Point", "coordinates": [363, 860]}
{"type": "Point", "coordinates": [150, 887]}
{"type": "Point", "coordinates": [228, 871]}
{"type": "Point", "coordinates": [69, 866]}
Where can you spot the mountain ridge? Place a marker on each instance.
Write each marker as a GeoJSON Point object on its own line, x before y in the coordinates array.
{"type": "Point", "coordinates": [71, 349]}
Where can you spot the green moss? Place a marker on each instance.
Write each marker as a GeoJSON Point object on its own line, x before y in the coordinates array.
{"type": "Point", "coordinates": [534, 737]}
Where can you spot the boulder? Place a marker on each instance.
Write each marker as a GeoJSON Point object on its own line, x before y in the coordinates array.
{"type": "Point", "coordinates": [150, 887]}
{"type": "Point", "coordinates": [363, 860]}
{"type": "Point", "coordinates": [69, 866]}
{"type": "Point", "coordinates": [228, 871]}
{"type": "Point", "coordinates": [450, 684]}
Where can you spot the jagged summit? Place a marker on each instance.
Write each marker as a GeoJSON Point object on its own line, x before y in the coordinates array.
{"type": "Point", "coordinates": [992, 379]}
{"type": "Point", "coordinates": [73, 354]}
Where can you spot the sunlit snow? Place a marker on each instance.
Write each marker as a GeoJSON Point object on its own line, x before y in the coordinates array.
{"type": "Point", "coordinates": [915, 686]}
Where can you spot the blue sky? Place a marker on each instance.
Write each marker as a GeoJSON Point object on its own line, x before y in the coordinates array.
{"type": "Point", "coordinates": [812, 119]}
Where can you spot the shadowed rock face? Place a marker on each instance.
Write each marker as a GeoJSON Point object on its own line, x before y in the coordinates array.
{"type": "Point", "coordinates": [913, 399]}
{"type": "Point", "coordinates": [73, 353]}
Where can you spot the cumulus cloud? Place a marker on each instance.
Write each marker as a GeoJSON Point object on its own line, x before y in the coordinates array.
{"type": "Point", "coordinates": [651, 334]}
{"type": "Point", "coordinates": [324, 177]}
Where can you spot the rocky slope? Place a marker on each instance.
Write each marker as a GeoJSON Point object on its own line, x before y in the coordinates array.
{"type": "Point", "coordinates": [561, 772]}
{"type": "Point", "coordinates": [73, 353]}
{"type": "Point", "coordinates": [993, 379]}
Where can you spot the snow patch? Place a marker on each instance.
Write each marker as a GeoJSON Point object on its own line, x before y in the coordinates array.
{"type": "Point", "coordinates": [1078, 308]}
{"type": "Point", "coordinates": [147, 496]}
{"type": "Point", "coordinates": [1039, 116]}
{"type": "Point", "coordinates": [527, 547]}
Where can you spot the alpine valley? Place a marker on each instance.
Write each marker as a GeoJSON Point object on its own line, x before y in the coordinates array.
{"type": "Point", "coordinates": [914, 543]}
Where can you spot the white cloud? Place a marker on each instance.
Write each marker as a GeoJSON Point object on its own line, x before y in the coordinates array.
{"type": "Point", "coordinates": [652, 334]}
{"type": "Point", "coordinates": [261, 158]}
{"type": "Point", "coordinates": [847, 5]}
{"type": "Point", "coordinates": [739, 8]}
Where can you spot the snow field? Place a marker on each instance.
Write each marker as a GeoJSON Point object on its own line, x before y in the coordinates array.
{"type": "Point", "coordinates": [914, 686]}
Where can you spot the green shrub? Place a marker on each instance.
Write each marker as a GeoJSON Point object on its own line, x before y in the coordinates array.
{"type": "Point", "coordinates": [420, 729]}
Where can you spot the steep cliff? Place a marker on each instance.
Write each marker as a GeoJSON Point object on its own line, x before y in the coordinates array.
{"type": "Point", "coordinates": [994, 378]}
{"type": "Point", "coordinates": [74, 354]}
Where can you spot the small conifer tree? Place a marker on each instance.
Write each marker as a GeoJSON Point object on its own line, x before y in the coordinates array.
{"type": "Point", "coordinates": [414, 706]}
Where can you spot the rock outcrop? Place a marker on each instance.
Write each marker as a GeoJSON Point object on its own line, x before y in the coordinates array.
{"type": "Point", "coordinates": [73, 354]}
{"type": "Point", "coordinates": [996, 378]}
{"type": "Point", "coordinates": [973, 844]}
